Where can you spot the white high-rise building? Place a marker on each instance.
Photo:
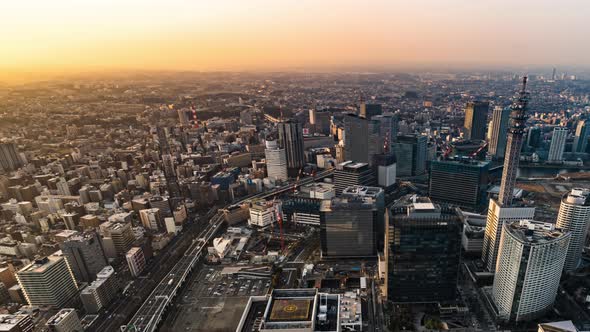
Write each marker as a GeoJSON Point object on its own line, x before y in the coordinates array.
{"type": "Point", "coordinates": [530, 261]}
{"type": "Point", "coordinates": [48, 282]}
{"type": "Point", "coordinates": [557, 144]}
{"type": "Point", "coordinates": [497, 216]}
{"type": "Point", "coordinates": [276, 161]}
{"type": "Point", "coordinates": [574, 217]}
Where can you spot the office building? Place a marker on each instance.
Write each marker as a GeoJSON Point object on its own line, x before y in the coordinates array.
{"type": "Point", "coordinates": [377, 196]}
{"type": "Point", "coordinates": [388, 129]}
{"type": "Point", "coordinates": [85, 255]}
{"type": "Point", "coordinates": [291, 139]}
{"type": "Point", "coordinates": [362, 138]}
{"type": "Point", "coordinates": [497, 216]}
{"type": "Point", "coordinates": [581, 138]}
{"type": "Point", "coordinates": [9, 157]}
{"type": "Point", "coordinates": [530, 262]}
{"type": "Point", "coordinates": [348, 226]}
{"type": "Point", "coordinates": [48, 282]}
{"type": "Point", "coordinates": [119, 234]}
{"type": "Point", "coordinates": [320, 121]}
{"type": "Point", "coordinates": [351, 173]}
{"type": "Point", "coordinates": [461, 182]}
{"type": "Point", "coordinates": [135, 260]}
{"type": "Point", "coordinates": [368, 111]}
{"type": "Point", "coordinates": [66, 320]}
{"type": "Point", "coordinates": [16, 323]}
{"type": "Point", "coordinates": [476, 118]}
{"type": "Point", "coordinates": [410, 152]}
{"type": "Point", "coordinates": [574, 217]}
{"type": "Point", "coordinates": [151, 219]}
{"type": "Point", "coordinates": [264, 213]}
{"type": "Point", "coordinates": [498, 131]}
{"type": "Point", "coordinates": [534, 138]}
{"type": "Point", "coordinates": [557, 146]}
{"type": "Point", "coordinates": [423, 252]}
{"type": "Point", "coordinates": [386, 168]}
{"type": "Point", "coordinates": [276, 161]}
{"type": "Point", "coordinates": [101, 291]}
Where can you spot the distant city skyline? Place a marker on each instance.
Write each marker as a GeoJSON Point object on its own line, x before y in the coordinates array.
{"type": "Point", "coordinates": [65, 37]}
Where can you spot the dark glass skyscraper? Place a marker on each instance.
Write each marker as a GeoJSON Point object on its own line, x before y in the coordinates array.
{"type": "Point", "coordinates": [362, 139]}
{"type": "Point", "coordinates": [348, 227]}
{"type": "Point", "coordinates": [291, 139]}
{"type": "Point", "coordinates": [410, 152]}
{"type": "Point", "coordinates": [476, 117]}
{"type": "Point", "coordinates": [461, 183]}
{"type": "Point", "coordinates": [423, 252]}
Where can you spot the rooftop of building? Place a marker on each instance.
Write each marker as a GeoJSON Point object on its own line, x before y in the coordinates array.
{"type": "Point", "coordinates": [534, 232]}
{"type": "Point", "coordinates": [465, 161]}
{"type": "Point", "coordinates": [57, 318]}
{"type": "Point", "coordinates": [8, 322]}
{"type": "Point", "coordinates": [562, 326]}
{"type": "Point", "coordinates": [577, 196]}
{"type": "Point", "coordinates": [362, 191]}
{"type": "Point", "coordinates": [351, 165]}
{"type": "Point", "coordinates": [40, 265]}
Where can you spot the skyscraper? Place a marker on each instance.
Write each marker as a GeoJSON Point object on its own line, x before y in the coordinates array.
{"type": "Point", "coordinates": [361, 139]}
{"type": "Point", "coordinates": [498, 131]}
{"type": "Point", "coordinates": [276, 161]}
{"type": "Point", "coordinates": [386, 167]}
{"type": "Point", "coordinates": [291, 139]}
{"type": "Point", "coordinates": [557, 146]}
{"type": "Point", "coordinates": [348, 227]}
{"type": "Point", "coordinates": [350, 173]}
{"type": "Point", "coordinates": [410, 152]}
{"type": "Point", "coordinates": [501, 210]}
{"type": "Point", "coordinates": [476, 117]}
{"type": "Point", "coordinates": [85, 255]}
{"type": "Point", "coordinates": [368, 111]}
{"type": "Point", "coordinates": [388, 129]}
{"type": "Point", "coordinates": [461, 183]}
{"type": "Point", "coordinates": [574, 217]}
{"type": "Point", "coordinates": [530, 261]}
{"type": "Point", "coordinates": [534, 137]}
{"type": "Point", "coordinates": [497, 216]}
{"type": "Point", "coordinates": [9, 158]}
{"type": "Point", "coordinates": [581, 138]}
{"type": "Point", "coordinates": [423, 252]}
{"type": "Point", "coordinates": [47, 282]}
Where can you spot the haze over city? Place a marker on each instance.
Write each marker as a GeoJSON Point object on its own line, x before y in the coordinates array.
{"type": "Point", "coordinates": [80, 36]}
{"type": "Point", "coordinates": [294, 166]}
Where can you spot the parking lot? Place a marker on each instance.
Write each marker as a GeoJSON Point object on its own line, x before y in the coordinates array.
{"type": "Point", "coordinates": [213, 302]}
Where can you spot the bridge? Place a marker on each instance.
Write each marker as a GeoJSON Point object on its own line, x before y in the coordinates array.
{"type": "Point", "coordinates": [150, 314]}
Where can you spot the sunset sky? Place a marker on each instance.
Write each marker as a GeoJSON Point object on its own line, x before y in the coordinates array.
{"type": "Point", "coordinates": [75, 35]}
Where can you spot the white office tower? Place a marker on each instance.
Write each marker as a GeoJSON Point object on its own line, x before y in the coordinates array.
{"type": "Point", "coordinates": [530, 262]}
{"type": "Point", "coordinates": [557, 144]}
{"type": "Point", "coordinates": [574, 217]}
{"type": "Point", "coordinates": [497, 216]}
{"type": "Point", "coordinates": [276, 161]}
{"type": "Point", "coordinates": [48, 282]}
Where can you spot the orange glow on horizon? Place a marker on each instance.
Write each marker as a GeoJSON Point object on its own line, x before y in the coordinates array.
{"type": "Point", "coordinates": [69, 36]}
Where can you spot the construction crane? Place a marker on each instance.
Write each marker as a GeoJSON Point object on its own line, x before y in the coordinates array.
{"type": "Point", "coordinates": [476, 152]}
